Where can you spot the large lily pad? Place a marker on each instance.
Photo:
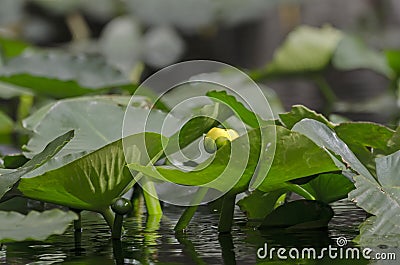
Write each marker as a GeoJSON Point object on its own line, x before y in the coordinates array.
{"type": "Point", "coordinates": [220, 175]}
{"type": "Point", "coordinates": [34, 226]}
{"type": "Point", "coordinates": [380, 197]}
{"type": "Point", "coordinates": [94, 180]}
{"type": "Point", "coordinates": [97, 121]}
{"type": "Point", "coordinates": [61, 75]}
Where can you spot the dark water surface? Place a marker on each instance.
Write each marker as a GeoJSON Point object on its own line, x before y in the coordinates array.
{"type": "Point", "coordinates": [150, 242]}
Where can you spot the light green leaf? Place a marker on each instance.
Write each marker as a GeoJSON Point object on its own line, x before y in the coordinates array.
{"type": "Point", "coordinates": [61, 75]}
{"type": "Point", "coordinates": [6, 124]}
{"type": "Point", "coordinates": [352, 53]}
{"type": "Point", "coordinates": [380, 197]}
{"type": "Point", "coordinates": [306, 49]}
{"type": "Point", "coordinates": [393, 59]}
{"type": "Point", "coordinates": [323, 136]}
{"type": "Point", "coordinates": [34, 226]}
{"type": "Point", "coordinates": [94, 180]}
{"type": "Point", "coordinates": [12, 47]}
{"type": "Point", "coordinates": [8, 179]}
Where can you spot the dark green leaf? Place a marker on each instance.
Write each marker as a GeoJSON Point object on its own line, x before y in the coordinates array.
{"type": "Point", "coordinates": [7, 180]}
{"type": "Point", "coordinates": [329, 188]}
{"type": "Point", "coordinates": [34, 226]}
{"type": "Point", "coordinates": [247, 116]}
{"type": "Point", "coordinates": [299, 112]}
{"type": "Point", "coordinates": [259, 204]}
{"type": "Point", "coordinates": [301, 214]}
{"type": "Point", "coordinates": [11, 47]}
{"type": "Point", "coordinates": [14, 161]}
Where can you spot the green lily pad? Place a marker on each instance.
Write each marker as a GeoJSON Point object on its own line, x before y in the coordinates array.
{"type": "Point", "coordinates": [305, 49]}
{"type": "Point", "coordinates": [220, 175]}
{"type": "Point", "coordinates": [301, 214]}
{"type": "Point", "coordinates": [329, 188]}
{"type": "Point", "coordinates": [61, 75]}
{"type": "Point", "coordinates": [34, 226]}
{"type": "Point", "coordinates": [9, 178]}
{"type": "Point", "coordinates": [94, 180]}
{"type": "Point", "coordinates": [353, 53]}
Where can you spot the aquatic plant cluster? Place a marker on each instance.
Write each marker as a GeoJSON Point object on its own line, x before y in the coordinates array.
{"type": "Point", "coordinates": [71, 110]}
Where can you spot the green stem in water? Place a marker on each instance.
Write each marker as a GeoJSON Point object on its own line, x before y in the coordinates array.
{"type": "Point", "coordinates": [117, 226]}
{"type": "Point", "coordinates": [188, 214]}
{"type": "Point", "coordinates": [150, 196]}
{"type": "Point", "coordinates": [78, 223]}
{"type": "Point", "coordinates": [226, 215]}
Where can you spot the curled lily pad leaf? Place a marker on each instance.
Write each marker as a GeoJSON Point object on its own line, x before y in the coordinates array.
{"type": "Point", "coordinates": [34, 226]}
{"type": "Point", "coordinates": [301, 214]}
{"type": "Point", "coordinates": [8, 179]}
{"type": "Point", "coordinates": [323, 136]}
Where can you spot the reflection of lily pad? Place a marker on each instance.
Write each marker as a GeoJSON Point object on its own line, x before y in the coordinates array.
{"type": "Point", "coordinates": [34, 226]}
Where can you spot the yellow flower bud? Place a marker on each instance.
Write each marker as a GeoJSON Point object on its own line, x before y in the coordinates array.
{"type": "Point", "coordinates": [217, 137]}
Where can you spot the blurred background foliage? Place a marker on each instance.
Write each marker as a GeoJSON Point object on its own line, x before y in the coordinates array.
{"type": "Point", "coordinates": [338, 57]}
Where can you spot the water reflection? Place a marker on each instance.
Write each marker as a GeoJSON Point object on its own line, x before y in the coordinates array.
{"type": "Point", "coordinates": [153, 241]}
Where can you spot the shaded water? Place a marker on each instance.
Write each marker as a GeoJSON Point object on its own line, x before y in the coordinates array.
{"type": "Point", "coordinates": [150, 242]}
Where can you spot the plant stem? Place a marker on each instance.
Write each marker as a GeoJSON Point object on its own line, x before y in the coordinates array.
{"type": "Point", "coordinates": [188, 214]}
{"type": "Point", "coordinates": [150, 196]}
{"type": "Point", "coordinates": [137, 200]}
{"type": "Point", "coordinates": [326, 91]}
{"type": "Point", "coordinates": [301, 191]}
{"type": "Point", "coordinates": [108, 216]}
{"type": "Point", "coordinates": [226, 215]}
{"type": "Point", "coordinates": [117, 227]}
{"type": "Point", "coordinates": [77, 223]}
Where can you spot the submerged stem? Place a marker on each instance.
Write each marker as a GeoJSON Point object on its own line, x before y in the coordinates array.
{"type": "Point", "coordinates": [226, 216]}
{"type": "Point", "coordinates": [188, 214]}
{"type": "Point", "coordinates": [150, 196]}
